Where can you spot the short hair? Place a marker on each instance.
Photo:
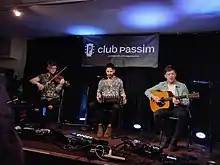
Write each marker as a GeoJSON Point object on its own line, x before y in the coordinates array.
{"type": "Point", "coordinates": [110, 65]}
{"type": "Point", "coordinates": [51, 63]}
{"type": "Point", "coordinates": [169, 68]}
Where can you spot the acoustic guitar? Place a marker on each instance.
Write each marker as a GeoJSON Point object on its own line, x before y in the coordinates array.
{"type": "Point", "coordinates": [166, 99]}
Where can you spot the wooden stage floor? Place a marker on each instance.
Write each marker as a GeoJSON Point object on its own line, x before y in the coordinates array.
{"type": "Point", "coordinates": [47, 149]}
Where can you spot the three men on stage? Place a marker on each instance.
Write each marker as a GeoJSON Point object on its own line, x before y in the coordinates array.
{"type": "Point", "coordinates": [111, 88]}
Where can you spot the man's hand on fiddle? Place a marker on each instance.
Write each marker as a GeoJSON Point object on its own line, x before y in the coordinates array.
{"type": "Point", "coordinates": [175, 101]}
{"type": "Point", "coordinates": [40, 86]}
{"type": "Point", "coordinates": [62, 81]}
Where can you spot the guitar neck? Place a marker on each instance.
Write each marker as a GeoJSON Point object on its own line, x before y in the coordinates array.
{"type": "Point", "coordinates": [177, 97]}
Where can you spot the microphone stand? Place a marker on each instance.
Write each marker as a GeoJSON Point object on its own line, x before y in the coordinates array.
{"type": "Point", "coordinates": [59, 123]}
{"type": "Point", "coordinates": [85, 126]}
{"type": "Point", "coordinates": [87, 94]}
{"type": "Point", "coordinates": [210, 117]}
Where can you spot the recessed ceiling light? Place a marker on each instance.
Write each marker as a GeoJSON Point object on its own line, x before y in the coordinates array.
{"type": "Point", "coordinates": [17, 13]}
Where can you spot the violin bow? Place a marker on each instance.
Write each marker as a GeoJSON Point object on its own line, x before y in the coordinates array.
{"type": "Point", "coordinates": [58, 74]}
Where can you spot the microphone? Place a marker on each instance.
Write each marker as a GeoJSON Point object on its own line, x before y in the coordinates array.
{"type": "Point", "coordinates": [100, 77]}
{"type": "Point", "coordinates": [200, 82]}
{"type": "Point", "coordinates": [177, 91]}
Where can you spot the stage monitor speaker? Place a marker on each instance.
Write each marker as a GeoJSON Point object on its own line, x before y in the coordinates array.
{"type": "Point", "coordinates": [200, 108]}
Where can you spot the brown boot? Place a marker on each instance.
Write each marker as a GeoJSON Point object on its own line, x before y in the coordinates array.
{"type": "Point", "coordinates": [108, 132]}
{"type": "Point", "coordinates": [100, 131]}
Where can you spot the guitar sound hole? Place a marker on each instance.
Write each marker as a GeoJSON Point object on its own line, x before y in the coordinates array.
{"type": "Point", "coordinates": [160, 104]}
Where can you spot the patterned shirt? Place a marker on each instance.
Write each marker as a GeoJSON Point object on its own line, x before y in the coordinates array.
{"type": "Point", "coordinates": [111, 88]}
{"type": "Point", "coordinates": [52, 90]}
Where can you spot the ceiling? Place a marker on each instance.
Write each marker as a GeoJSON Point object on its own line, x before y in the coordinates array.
{"type": "Point", "coordinates": [112, 17]}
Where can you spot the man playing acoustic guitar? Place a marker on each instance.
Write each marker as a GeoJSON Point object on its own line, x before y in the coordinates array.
{"type": "Point", "coordinates": [179, 110]}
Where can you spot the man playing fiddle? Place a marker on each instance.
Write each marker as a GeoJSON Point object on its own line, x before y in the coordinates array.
{"type": "Point", "coordinates": [50, 90]}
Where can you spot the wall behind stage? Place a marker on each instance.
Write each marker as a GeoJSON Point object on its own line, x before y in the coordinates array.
{"type": "Point", "coordinates": [13, 54]}
{"type": "Point", "coordinates": [194, 55]}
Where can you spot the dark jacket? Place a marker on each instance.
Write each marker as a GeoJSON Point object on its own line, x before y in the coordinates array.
{"type": "Point", "coordinates": [10, 144]}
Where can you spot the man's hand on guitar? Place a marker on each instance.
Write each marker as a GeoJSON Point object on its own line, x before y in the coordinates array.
{"type": "Point", "coordinates": [40, 86]}
{"type": "Point", "coordinates": [156, 99]}
{"type": "Point", "coordinates": [175, 101]}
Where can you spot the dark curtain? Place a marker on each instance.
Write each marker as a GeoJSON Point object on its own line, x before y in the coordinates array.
{"type": "Point", "coordinates": [194, 55]}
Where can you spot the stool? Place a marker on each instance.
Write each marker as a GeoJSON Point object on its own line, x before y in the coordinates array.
{"type": "Point", "coordinates": [189, 142]}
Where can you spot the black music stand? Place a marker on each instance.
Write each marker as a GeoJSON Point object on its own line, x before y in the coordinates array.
{"type": "Point", "coordinates": [83, 126]}
{"type": "Point", "coordinates": [210, 88]}
{"type": "Point", "coordinates": [210, 116]}
{"type": "Point", "coordinates": [59, 123]}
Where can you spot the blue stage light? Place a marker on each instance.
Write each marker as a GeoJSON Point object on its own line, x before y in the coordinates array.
{"type": "Point", "coordinates": [44, 111]}
{"type": "Point", "coordinates": [199, 6]}
{"type": "Point", "coordinates": [147, 16]}
{"type": "Point", "coordinates": [84, 30]}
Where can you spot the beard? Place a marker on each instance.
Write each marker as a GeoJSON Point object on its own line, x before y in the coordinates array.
{"type": "Point", "coordinates": [110, 75]}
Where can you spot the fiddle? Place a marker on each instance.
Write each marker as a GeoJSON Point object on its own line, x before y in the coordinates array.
{"type": "Point", "coordinates": [58, 78]}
